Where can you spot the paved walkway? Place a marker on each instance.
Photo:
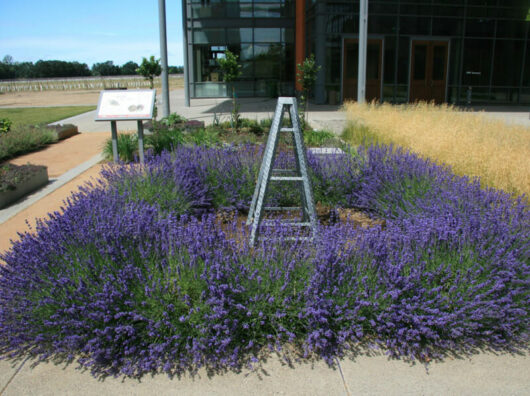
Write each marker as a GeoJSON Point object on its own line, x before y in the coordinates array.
{"type": "Point", "coordinates": [324, 117]}
{"type": "Point", "coordinates": [71, 163]}
{"type": "Point", "coordinates": [482, 374]}
{"type": "Point", "coordinates": [321, 117]}
{"type": "Point", "coordinates": [74, 161]}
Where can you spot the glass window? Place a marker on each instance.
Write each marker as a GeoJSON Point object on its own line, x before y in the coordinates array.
{"type": "Point", "coordinates": [515, 29]}
{"type": "Point", "coordinates": [242, 35]}
{"type": "Point", "coordinates": [332, 64]}
{"type": "Point", "coordinates": [382, 24]}
{"type": "Point", "coordinates": [477, 62]}
{"type": "Point", "coordinates": [205, 63]}
{"type": "Point", "coordinates": [208, 11]}
{"type": "Point", "coordinates": [373, 55]}
{"type": "Point", "coordinates": [288, 65]}
{"type": "Point", "coordinates": [438, 62]}
{"type": "Point", "coordinates": [415, 25]}
{"type": "Point", "coordinates": [352, 63]}
{"type": "Point", "coordinates": [508, 61]}
{"type": "Point", "coordinates": [272, 10]}
{"type": "Point", "coordinates": [420, 61]}
{"type": "Point", "coordinates": [267, 35]}
{"type": "Point", "coordinates": [378, 7]}
{"type": "Point", "coordinates": [446, 27]}
{"type": "Point", "coordinates": [526, 77]}
{"type": "Point", "coordinates": [239, 10]}
{"type": "Point", "coordinates": [480, 27]}
{"type": "Point", "coordinates": [448, 10]}
{"type": "Point", "coordinates": [390, 60]}
{"type": "Point", "coordinates": [287, 35]}
{"type": "Point", "coordinates": [403, 60]}
{"type": "Point", "coordinates": [209, 36]}
{"type": "Point", "coordinates": [455, 60]}
{"type": "Point", "coordinates": [247, 52]}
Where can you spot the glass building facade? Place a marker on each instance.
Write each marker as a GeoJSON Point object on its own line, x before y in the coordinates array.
{"type": "Point", "coordinates": [260, 32]}
{"type": "Point", "coordinates": [456, 51]}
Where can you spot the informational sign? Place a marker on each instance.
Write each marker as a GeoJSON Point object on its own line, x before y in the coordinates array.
{"type": "Point", "coordinates": [116, 105]}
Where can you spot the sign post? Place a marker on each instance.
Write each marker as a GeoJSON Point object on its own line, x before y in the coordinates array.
{"type": "Point", "coordinates": [134, 105]}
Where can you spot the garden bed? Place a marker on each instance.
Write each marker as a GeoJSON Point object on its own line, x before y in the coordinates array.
{"type": "Point", "coordinates": [16, 181]}
{"type": "Point", "coordinates": [138, 275]}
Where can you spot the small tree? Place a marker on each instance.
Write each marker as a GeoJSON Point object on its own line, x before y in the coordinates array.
{"type": "Point", "coordinates": [150, 69]}
{"type": "Point", "coordinates": [231, 71]}
{"type": "Point", "coordinates": [306, 77]}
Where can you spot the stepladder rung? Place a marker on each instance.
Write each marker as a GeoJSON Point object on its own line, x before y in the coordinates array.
{"type": "Point", "coordinates": [284, 208]}
{"type": "Point", "coordinates": [284, 170]}
{"type": "Point", "coordinates": [286, 223]}
{"type": "Point", "coordinates": [287, 178]}
{"type": "Point", "coordinates": [285, 129]}
{"type": "Point", "coordinates": [287, 239]}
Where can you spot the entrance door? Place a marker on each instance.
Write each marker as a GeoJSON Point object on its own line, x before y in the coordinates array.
{"type": "Point", "coordinates": [374, 58]}
{"type": "Point", "coordinates": [428, 72]}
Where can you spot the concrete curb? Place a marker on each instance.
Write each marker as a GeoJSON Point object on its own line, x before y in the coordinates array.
{"type": "Point", "coordinates": [9, 212]}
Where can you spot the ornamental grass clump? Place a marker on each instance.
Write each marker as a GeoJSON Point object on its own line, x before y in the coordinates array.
{"type": "Point", "coordinates": [131, 279]}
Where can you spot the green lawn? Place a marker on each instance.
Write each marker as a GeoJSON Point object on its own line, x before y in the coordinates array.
{"type": "Point", "coordinates": [42, 115]}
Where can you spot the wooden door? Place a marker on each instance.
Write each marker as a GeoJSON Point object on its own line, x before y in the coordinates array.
{"type": "Point", "coordinates": [428, 71]}
{"type": "Point", "coordinates": [374, 75]}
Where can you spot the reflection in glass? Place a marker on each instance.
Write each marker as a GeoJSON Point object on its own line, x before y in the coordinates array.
{"type": "Point", "coordinates": [477, 62]}
{"type": "Point", "coordinates": [438, 62]}
{"type": "Point", "coordinates": [420, 61]}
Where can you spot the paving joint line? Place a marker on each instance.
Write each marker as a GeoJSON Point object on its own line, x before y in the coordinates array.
{"type": "Point", "coordinates": [348, 393]}
{"type": "Point", "coordinates": [13, 376]}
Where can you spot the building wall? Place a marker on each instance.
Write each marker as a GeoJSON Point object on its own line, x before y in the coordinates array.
{"type": "Point", "coordinates": [488, 41]}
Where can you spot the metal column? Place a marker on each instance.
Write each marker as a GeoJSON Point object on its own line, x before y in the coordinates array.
{"type": "Point", "coordinates": [186, 62]}
{"type": "Point", "coordinates": [163, 56]}
{"type": "Point", "coordinates": [363, 39]}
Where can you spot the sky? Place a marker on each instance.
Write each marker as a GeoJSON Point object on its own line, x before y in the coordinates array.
{"type": "Point", "coordinates": [88, 31]}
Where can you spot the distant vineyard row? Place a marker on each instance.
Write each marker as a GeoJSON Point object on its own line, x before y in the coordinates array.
{"type": "Point", "coordinates": [85, 83]}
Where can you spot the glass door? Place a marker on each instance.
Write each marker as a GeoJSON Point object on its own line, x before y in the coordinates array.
{"type": "Point", "coordinates": [428, 71]}
{"type": "Point", "coordinates": [374, 58]}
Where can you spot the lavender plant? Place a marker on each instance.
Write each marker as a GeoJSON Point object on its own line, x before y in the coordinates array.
{"type": "Point", "coordinates": [137, 276]}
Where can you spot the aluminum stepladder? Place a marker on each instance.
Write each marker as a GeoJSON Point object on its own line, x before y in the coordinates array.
{"type": "Point", "coordinates": [299, 175]}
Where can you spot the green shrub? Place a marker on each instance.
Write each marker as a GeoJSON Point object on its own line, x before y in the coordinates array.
{"type": "Point", "coordinates": [164, 139]}
{"type": "Point", "coordinates": [359, 134]}
{"type": "Point", "coordinates": [203, 137]}
{"type": "Point", "coordinates": [127, 147]}
{"type": "Point", "coordinates": [318, 138]}
{"type": "Point", "coordinates": [5, 125]}
{"type": "Point", "coordinates": [22, 139]}
{"type": "Point", "coordinates": [172, 120]}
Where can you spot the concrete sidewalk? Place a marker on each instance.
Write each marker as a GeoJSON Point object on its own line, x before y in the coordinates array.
{"type": "Point", "coordinates": [482, 374]}
{"type": "Point", "coordinates": [322, 117]}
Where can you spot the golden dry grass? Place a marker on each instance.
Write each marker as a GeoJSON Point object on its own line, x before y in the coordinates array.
{"type": "Point", "coordinates": [471, 143]}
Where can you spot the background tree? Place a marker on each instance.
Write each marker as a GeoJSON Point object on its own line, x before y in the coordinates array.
{"type": "Point", "coordinates": [7, 70]}
{"type": "Point", "coordinates": [150, 68]}
{"type": "Point", "coordinates": [306, 77]}
{"type": "Point", "coordinates": [129, 68]}
{"type": "Point", "coordinates": [107, 68]}
{"type": "Point", "coordinates": [231, 71]}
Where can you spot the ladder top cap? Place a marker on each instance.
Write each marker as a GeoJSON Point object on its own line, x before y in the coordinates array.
{"type": "Point", "coordinates": [286, 99]}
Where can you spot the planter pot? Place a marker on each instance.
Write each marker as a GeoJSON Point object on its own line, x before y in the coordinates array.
{"type": "Point", "coordinates": [32, 183]}
{"type": "Point", "coordinates": [64, 131]}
